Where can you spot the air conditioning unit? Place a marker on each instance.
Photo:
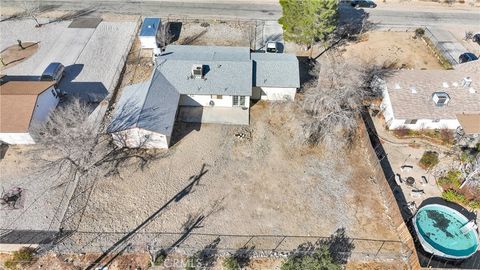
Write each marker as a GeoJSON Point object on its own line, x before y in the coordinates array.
{"type": "Point", "coordinates": [211, 103]}
{"type": "Point", "coordinates": [197, 71]}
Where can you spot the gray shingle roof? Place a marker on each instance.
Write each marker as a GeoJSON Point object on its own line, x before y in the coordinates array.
{"type": "Point", "coordinates": [151, 105]}
{"type": "Point", "coordinates": [228, 70]}
{"type": "Point", "coordinates": [419, 105]}
{"type": "Point", "coordinates": [275, 70]}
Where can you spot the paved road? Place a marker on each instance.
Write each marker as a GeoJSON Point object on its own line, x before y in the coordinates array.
{"type": "Point", "coordinates": [264, 10]}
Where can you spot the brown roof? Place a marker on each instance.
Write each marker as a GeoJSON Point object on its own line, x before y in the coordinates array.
{"type": "Point", "coordinates": [419, 105]}
{"type": "Point", "coordinates": [17, 102]}
{"type": "Point", "coordinates": [470, 122]}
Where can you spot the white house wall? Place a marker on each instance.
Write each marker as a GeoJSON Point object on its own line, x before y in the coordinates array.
{"type": "Point", "coordinates": [274, 93]}
{"type": "Point", "coordinates": [148, 42]}
{"type": "Point", "coordinates": [204, 101]}
{"type": "Point", "coordinates": [136, 137]}
{"type": "Point", "coordinates": [16, 138]}
{"type": "Point", "coordinates": [46, 103]}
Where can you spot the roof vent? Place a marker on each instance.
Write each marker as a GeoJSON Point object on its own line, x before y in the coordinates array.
{"type": "Point", "coordinates": [445, 85]}
{"type": "Point", "coordinates": [197, 71]}
{"type": "Point", "coordinates": [471, 90]}
{"type": "Point", "coordinates": [413, 89]}
{"type": "Point", "coordinates": [455, 84]}
{"type": "Point", "coordinates": [440, 98]}
{"type": "Point", "coordinates": [397, 86]}
{"type": "Point", "coordinates": [467, 81]}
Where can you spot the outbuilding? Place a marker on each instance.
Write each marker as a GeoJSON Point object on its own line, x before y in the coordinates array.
{"type": "Point", "coordinates": [23, 104]}
{"type": "Point", "coordinates": [148, 33]}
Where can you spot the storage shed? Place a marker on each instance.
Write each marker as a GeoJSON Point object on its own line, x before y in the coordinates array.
{"type": "Point", "coordinates": [148, 33]}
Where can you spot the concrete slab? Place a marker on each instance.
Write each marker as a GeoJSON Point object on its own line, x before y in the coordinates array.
{"type": "Point", "coordinates": [447, 44]}
{"type": "Point", "coordinates": [268, 31]}
{"type": "Point", "coordinates": [214, 115]}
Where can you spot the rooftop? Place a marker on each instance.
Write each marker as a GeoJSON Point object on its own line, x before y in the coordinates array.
{"type": "Point", "coordinates": [150, 27]}
{"type": "Point", "coordinates": [17, 102]}
{"type": "Point", "coordinates": [275, 70]}
{"type": "Point", "coordinates": [151, 105]}
{"type": "Point", "coordinates": [411, 92]}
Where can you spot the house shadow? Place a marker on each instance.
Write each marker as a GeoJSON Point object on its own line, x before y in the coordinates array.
{"type": "Point", "coordinates": [89, 92]}
{"type": "Point", "coordinates": [307, 70]}
{"type": "Point", "coordinates": [181, 129]}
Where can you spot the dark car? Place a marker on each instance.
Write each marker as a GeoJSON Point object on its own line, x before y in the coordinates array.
{"type": "Point", "coordinates": [53, 72]}
{"type": "Point", "coordinates": [467, 57]}
{"type": "Point", "coordinates": [476, 38]}
{"type": "Point", "coordinates": [363, 3]}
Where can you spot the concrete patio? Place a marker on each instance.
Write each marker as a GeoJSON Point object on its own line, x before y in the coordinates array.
{"type": "Point", "coordinates": [214, 115]}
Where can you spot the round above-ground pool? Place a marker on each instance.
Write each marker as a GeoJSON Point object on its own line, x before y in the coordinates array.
{"type": "Point", "coordinates": [444, 232]}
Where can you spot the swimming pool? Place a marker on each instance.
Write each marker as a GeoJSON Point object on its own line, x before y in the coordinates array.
{"type": "Point", "coordinates": [439, 229]}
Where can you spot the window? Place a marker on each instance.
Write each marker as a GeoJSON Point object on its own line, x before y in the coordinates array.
{"type": "Point", "coordinates": [238, 100]}
{"type": "Point", "coordinates": [436, 120]}
{"type": "Point", "coordinates": [216, 96]}
{"type": "Point", "coordinates": [410, 121]}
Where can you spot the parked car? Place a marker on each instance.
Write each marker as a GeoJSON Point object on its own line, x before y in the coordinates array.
{"type": "Point", "coordinates": [363, 3]}
{"type": "Point", "coordinates": [272, 47]}
{"type": "Point", "coordinates": [476, 38]}
{"type": "Point", "coordinates": [467, 57]}
{"type": "Point", "coordinates": [53, 72]}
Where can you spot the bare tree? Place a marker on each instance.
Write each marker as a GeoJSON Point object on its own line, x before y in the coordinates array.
{"type": "Point", "coordinates": [472, 171]}
{"type": "Point", "coordinates": [31, 9]}
{"type": "Point", "coordinates": [72, 142]}
{"type": "Point", "coordinates": [164, 35]}
{"type": "Point", "coordinates": [332, 107]}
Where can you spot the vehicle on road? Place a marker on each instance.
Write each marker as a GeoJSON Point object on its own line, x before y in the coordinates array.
{"type": "Point", "coordinates": [53, 72]}
{"type": "Point", "coordinates": [476, 38]}
{"type": "Point", "coordinates": [363, 3]}
{"type": "Point", "coordinates": [467, 57]}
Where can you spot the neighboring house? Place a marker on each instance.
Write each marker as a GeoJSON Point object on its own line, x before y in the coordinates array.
{"type": "Point", "coordinates": [433, 99]}
{"type": "Point", "coordinates": [204, 84]}
{"type": "Point", "coordinates": [23, 104]}
{"type": "Point", "coordinates": [148, 33]}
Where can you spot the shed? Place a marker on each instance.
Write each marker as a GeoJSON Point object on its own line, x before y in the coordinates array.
{"type": "Point", "coordinates": [148, 33]}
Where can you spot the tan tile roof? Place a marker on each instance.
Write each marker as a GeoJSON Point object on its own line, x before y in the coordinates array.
{"type": "Point", "coordinates": [419, 105]}
{"type": "Point", "coordinates": [470, 122]}
{"type": "Point", "coordinates": [17, 102]}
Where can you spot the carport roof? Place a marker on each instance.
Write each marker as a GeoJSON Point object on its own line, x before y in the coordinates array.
{"type": "Point", "coordinates": [275, 70]}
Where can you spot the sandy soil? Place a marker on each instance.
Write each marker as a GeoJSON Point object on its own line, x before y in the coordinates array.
{"type": "Point", "coordinates": [261, 185]}
{"type": "Point", "coordinates": [216, 33]}
{"type": "Point", "coordinates": [398, 47]}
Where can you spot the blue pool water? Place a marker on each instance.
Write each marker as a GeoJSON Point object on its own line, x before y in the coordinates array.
{"type": "Point", "coordinates": [439, 226]}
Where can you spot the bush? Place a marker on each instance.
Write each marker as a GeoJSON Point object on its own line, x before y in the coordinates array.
{"type": "Point", "coordinates": [191, 263]}
{"type": "Point", "coordinates": [451, 180]}
{"type": "Point", "coordinates": [446, 136]}
{"type": "Point", "coordinates": [320, 259]}
{"type": "Point", "coordinates": [402, 131]}
{"type": "Point", "coordinates": [419, 32]}
{"type": "Point", "coordinates": [429, 160]}
{"type": "Point", "coordinates": [22, 258]}
{"type": "Point", "coordinates": [231, 263]}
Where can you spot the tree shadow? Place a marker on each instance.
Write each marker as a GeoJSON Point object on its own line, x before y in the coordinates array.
{"type": "Point", "coordinates": [339, 246]}
{"type": "Point", "coordinates": [24, 14]}
{"type": "Point", "coordinates": [191, 39]}
{"type": "Point", "coordinates": [185, 191]}
{"type": "Point", "coordinates": [207, 257]}
{"type": "Point", "coordinates": [74, 14]}
{"type": "Point", "coordinates": [175, 29]}
{"type": "Point", "coordinates": [243, 256]}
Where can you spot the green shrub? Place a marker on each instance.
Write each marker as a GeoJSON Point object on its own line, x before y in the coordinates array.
{"type": "Point", "coordinates": [22, 258]}
{"type": "Point", "coordinates": [429, 160]}
{"type": "Point", "coordinates": [320, 259]}
{"type": "Point", "coordinates": [452, 195]}
{"type": "Point", "coordinates": [231, 263]}
{"type": "Point", "coordinates": [419, 32]}
{"type": "Point", "coordinates": [451, 180]}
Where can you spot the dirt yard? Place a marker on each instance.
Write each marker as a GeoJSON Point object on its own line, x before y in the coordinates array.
{"type": "Point", "coordinates": [400, 48]}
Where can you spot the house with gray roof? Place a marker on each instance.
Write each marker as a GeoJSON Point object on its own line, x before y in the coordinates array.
{"type": "Point", "coordinates": [206, 84]}
{"type": "Point", "coordinates": [434, 99]}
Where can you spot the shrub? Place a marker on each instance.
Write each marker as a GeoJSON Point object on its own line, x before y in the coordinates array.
{"type": "Point", "coordinates": [320, 259]}
{"type": "Point", "coordinates": [22, 258]}
{"type": "Point", "coordinates": [429, 160]}
{"type": "Point", "coordinates": [446, 136]}
{"type": "Point", "coordinates": [451, 180]}
{"type": "Point", "coordinates": [231, 263]}
{"type": "Point", "coordinates": [419, 32]}
{"type": "Point", "coordinates": [191, 263]}
{"type": "Point", "coordinates": [402, 131]}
